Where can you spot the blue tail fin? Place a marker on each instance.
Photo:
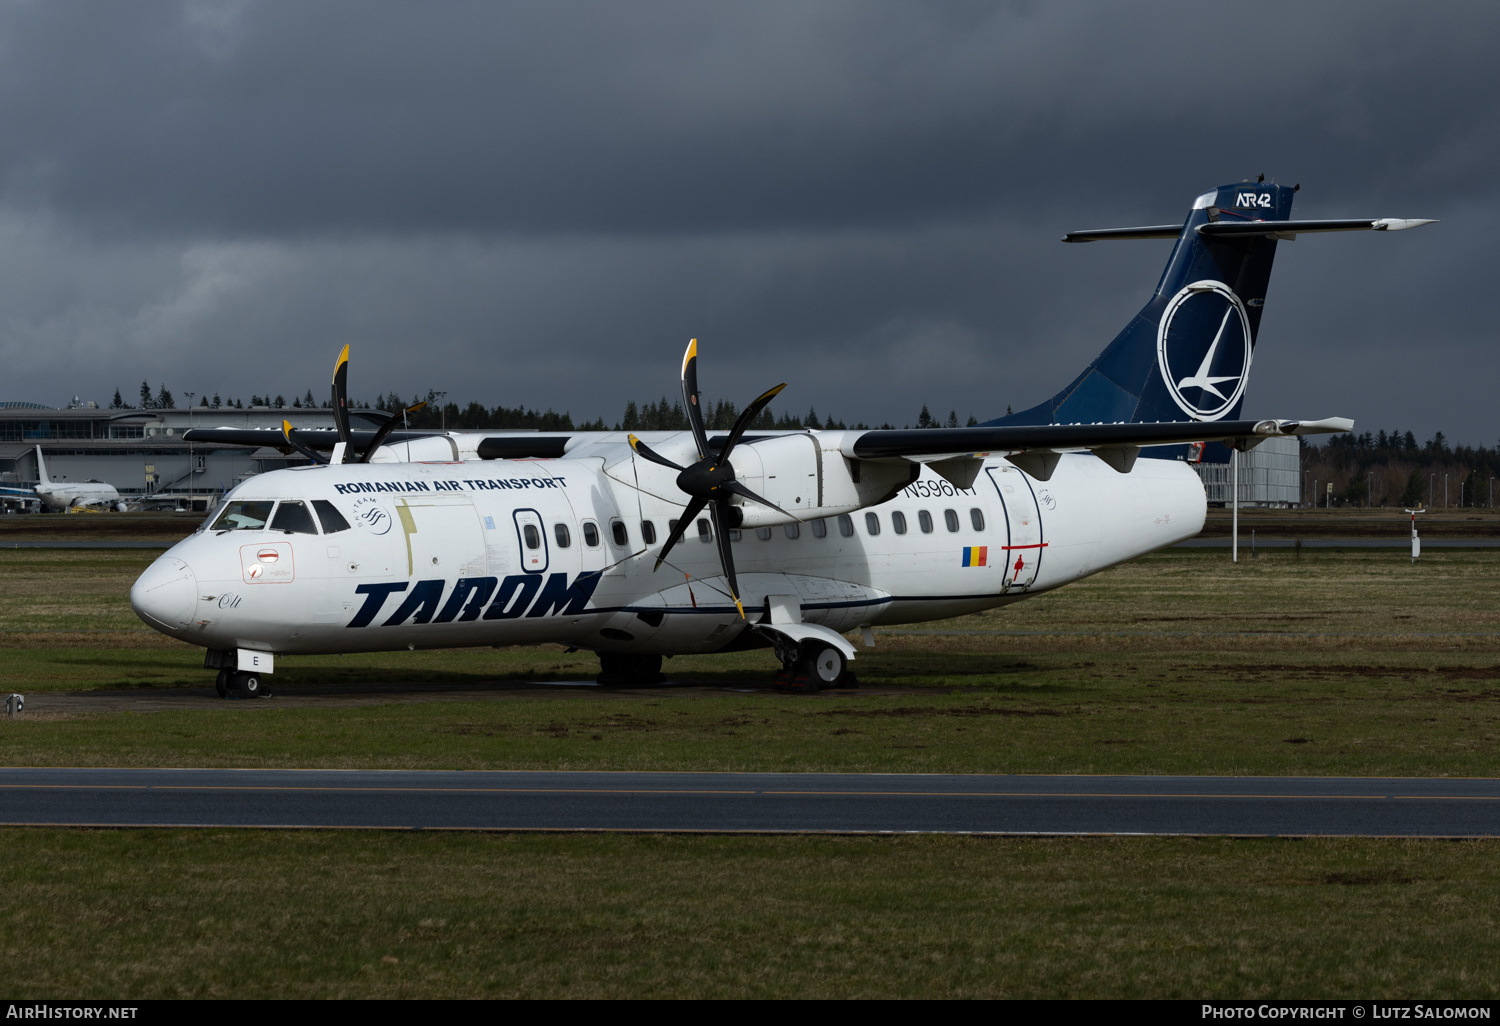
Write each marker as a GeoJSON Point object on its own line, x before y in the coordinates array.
{"type": "Point", "coordinates": [1186, 355]}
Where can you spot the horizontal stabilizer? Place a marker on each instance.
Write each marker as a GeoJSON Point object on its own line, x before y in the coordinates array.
{"type": "Point", "coordinates": [1285, 229]}
{"type": "Point", "coordinates": [1157, 231]}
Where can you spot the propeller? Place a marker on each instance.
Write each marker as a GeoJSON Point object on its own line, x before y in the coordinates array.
{"type": "Point", "coordinates": [341, 416]}
{"type": "Point", "coordinates": [289, 433]}
{"type": "Point", "coordinates": [710, 482]}
{"type": "Point", "coordinates": [385, 431]}
{"type": "Point", "coordinates": [341, 402]}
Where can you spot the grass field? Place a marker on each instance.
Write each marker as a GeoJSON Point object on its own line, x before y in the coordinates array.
{"type": "Point", "coordinates": [1332, 662]}
{"type": "Point", "coordinates": [173, 913]}
{"type": "Point", "coordinates": [1352, 663]}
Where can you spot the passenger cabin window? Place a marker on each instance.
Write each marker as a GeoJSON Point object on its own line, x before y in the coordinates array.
{"type": "Point", "coordinates": [332, 520]}
{"type": "Point", "coordinates": [705, 533]}
{"type": "Point", "coordinates": [532, 536]}
{"type": "Point", "coordinates": [976, 517]}
{"type": "Point", "coordinates": [294, 518]}
{"type": "Point", "coordinates": [820, 528]}
{"type": "Point", "coordinates": [591, 534]}
{"type": "Point", "coordinates": [872, 523]}
{"type": "Point", "coordinates": [244, 516]}
{"type": "Point", "coordinates": [763, 533]}
{"type": "Point", "coordinates": [621, 536]}
{"type": "Point", "coordinates": [734, 534]}
{"type": "Point", "coordinates": [950, 517]}
{"type": "Point", "coordinates": [648, 532]}
{"type": "Point", "coordinates": [924, 521]}
{"type": "Point", "coordinates": [846, 525]}
{"type": "Point", "coordinates": [898, 522]}
{"type": "Point", "coordinates": [563, 535]}
{"type": "Point", "coordinates": [792, 531]}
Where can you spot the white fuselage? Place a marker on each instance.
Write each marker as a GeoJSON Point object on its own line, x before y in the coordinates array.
{"type": "Point", "coordinates": [62, 496]}
{"type": "Point", "coordinates": [501, 552]}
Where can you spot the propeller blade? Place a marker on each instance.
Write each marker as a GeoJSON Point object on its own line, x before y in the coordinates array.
{"type": "Point", "coordinates": [690, 397]}
{"type": "Point", "coordinates": [341, 401]}
{"type": "Point", "coordinates": [385, 432]}
{"type": "Point", "coordinates": [726, 557]}
{"type": "Point", "coordinates": [735, 488]}
{"type": "Point", "coordinates": [688, 516]}
{"type": "Point", "coordinates": [646, 452]}
{"type": "Point", "coordinates": [745, 419]}
{"type": "Point", "coordinates": [286, 432]}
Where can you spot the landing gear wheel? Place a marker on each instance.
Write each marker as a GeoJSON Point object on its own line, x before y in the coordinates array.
{"type": "Point", "coordinates": [249, 685]}
{"type": "Point", "coordinates": [221, 683]}
{"type": "Point", "coordinates": [619, 669]}
{"type": "Point", "coordinates": [828, 667]}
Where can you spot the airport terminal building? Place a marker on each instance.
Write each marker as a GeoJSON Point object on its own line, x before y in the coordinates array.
{"type": "Point", "coordinates": [142, 452]}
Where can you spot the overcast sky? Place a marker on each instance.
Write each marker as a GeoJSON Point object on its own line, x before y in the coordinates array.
{"type": "Point", "coordinates": [538, 204]}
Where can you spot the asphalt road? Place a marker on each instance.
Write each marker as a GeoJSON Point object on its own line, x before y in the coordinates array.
{"type": "Point", "coordinates": [753, 802]}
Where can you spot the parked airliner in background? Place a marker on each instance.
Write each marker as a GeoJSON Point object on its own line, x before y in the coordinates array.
{"type": "Point", "coordinates": [685, 542]}
{"type": "Point", "coordinates": [61, 496]}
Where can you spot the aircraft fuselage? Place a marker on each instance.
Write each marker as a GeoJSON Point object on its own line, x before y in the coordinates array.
{"type": "Point", "coordinates": [500, 552]}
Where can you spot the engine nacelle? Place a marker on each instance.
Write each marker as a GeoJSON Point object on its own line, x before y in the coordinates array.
{"type": "Point", "coordinates": [807, 475]}
{"type": "Point", "coordinates": [431, 449]}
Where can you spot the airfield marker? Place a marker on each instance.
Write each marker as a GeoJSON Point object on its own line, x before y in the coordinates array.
{"type": "Point", "coordinates": [1416, 543]}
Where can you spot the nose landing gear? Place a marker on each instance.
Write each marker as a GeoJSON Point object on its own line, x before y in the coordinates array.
{"type": "Point", "coordinates": [241, 684]}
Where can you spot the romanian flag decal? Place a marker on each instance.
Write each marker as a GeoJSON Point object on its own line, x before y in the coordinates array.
{"type": "Point", "coordinates": [976, 555]}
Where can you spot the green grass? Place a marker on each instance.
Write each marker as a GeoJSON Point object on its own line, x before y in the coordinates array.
{"type": "Point", "coordinates": [1340, 663]}
{"type": "Point", "coordinates": [207, 913]}
{"type": "Point", "coordinates": [1355, 663]}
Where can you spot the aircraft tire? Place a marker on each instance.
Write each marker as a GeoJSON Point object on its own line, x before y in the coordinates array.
{"type": "Point", "coordinates": [249, 685]}
{"type": "Point", "coordinates": [221, 683]}
{"type": "Point", "coordinates": [629, 669]}
{"type": "Point", "coordinates": [828, 668]}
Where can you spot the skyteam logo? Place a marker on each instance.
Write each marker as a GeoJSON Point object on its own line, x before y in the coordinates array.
{"type": "Point", "coordinates": [370, 514]}
{"type": "Point", "coordinates": [1203, 349]}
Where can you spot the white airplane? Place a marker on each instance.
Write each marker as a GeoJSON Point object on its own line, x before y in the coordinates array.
{"type": "Point", "coordinates": [686, 542]}
{"type": "Point", "coordinates": [62, 496]}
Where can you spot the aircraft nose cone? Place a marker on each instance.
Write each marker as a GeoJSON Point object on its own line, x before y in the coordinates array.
{"type": "Point", "coordinates": [166, 595]}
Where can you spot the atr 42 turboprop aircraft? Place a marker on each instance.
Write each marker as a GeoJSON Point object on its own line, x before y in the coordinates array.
{"type": "Point", "coordinates": [65, 495]}
{"type": "Point", "coordinates": [690, 542]}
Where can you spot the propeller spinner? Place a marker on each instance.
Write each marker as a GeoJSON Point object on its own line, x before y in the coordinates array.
{"type": "Point", "coordinates": [711, 481]}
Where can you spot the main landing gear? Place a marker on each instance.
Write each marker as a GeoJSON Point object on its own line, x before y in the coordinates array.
{"type": "Point", "coordinates": [241, 684]}
{"type": "Point", "coordinates": [812, 666]}
{"type": "Point", "coordinates": [629, 670]}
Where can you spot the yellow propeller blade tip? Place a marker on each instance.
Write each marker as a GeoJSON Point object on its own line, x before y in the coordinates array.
{"type": "Point", "coordinates": [691, 354]}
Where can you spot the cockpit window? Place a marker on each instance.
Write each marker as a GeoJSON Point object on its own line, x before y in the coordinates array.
{"type": "Point", "coordinates": [294, 518]}
{"type": "Point", "coordinates": [244, 516]}
{"type": "Point", "coordinates": [332, 520]}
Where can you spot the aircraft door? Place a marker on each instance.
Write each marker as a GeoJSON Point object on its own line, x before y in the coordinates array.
{"type": "Point", "coordinates": [444, 537]}
{"type": "Point", "coordinates": [531, 534]}
{"type": "Point", "coordinates": [1023, 521]}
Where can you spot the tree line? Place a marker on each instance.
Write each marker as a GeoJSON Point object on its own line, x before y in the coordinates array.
{"type": "Point", "coordinates": [1391, 468]}
{"type": "Point", "coordinates": [662, 415]}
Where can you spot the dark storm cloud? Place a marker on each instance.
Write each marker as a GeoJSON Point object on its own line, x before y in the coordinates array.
{"type": "Point", "coordinates": [545, 200]}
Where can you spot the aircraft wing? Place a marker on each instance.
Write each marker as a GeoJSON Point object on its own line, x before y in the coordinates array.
{"type": "Point", "coordinates": [957, 453]}
{"type": "Point", "coordinates": [313, 438]}
{"type": "Point", "coordinates": [925, 442]}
